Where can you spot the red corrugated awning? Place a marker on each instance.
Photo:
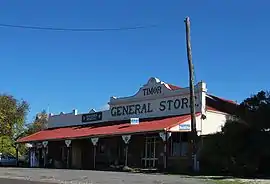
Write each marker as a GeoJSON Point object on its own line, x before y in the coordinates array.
{"type": "Point", "coordinates": [95, 131]}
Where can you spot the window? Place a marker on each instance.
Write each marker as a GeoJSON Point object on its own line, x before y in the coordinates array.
{"type": "Point", "coordinates": [179, 144]}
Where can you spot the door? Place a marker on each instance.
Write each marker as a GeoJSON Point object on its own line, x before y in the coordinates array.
{"type": "Point", "coordinates": [150, 159]}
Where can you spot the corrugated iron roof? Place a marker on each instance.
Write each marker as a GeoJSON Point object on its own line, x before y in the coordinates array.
{"type": "Point", "coordinates": [106, 130]}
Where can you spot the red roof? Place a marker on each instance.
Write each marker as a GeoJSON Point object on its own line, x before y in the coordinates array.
{"type": "Point", "coordinates": [209, 106]}
{"type": "Point", "coordinates": [173, 87]}
{"type": "Point", "coordinates": [222, 99]}
{"type": "Point", "coordinates": [94, 130]}
{"type": "Point", "coordinates": [212, 108]}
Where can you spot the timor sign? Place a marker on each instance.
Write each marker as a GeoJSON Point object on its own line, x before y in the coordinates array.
{"type": "Point", "coordinates": [152, 90]}
{"type": "Point", "coordinates": [176, 105]}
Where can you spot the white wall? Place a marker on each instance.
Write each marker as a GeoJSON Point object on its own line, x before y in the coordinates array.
{"type": "Point", "coordinates": [213, 122]}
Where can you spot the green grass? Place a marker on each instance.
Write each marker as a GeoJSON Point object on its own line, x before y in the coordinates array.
{"type": "Point", "coordinates": [228, 182]}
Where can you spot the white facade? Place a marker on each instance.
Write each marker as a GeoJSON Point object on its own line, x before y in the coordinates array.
{"type": "Point", "coordinates": [214, 122]}
{"type": "Point", "coordinates": [154, 99]}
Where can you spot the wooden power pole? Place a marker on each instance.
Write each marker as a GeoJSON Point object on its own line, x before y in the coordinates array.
{"type": "Point", "coordinates": [192, 97]}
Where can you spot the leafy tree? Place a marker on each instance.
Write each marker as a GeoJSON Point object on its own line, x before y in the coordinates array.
{"type": "Point", "coordinates": [254, 111]}
{"type": "Point", "coordinates": [12, 119]}
{"type": "Point", "coordinates": [12, 115]}
{"type": "Point", "coordinates": [7, 145]}
{"type": "Point", "coordinates": [240, 148]}
{"type": "Point", "coordinates": [40, 123]}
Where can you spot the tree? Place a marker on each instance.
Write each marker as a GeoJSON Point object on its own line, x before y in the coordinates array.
{"type": "Point", "coordinates": [12, 119]}
{"type": "Point", "coordinates": [12, 115]}
{"type": "Point", "coordinates": [7, 145]}
{"type": "Point", "coordinates": [40, 123]}
{"type": "Point", "coordinates": [240, 148]}
{"type": "Point", "coordinates": [254, 111]}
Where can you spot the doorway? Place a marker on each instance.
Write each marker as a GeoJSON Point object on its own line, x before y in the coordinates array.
{"type": "Point", "coordinates": [150, 159]}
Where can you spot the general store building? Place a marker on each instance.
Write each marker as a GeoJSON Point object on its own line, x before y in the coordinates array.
{"type": "Point", "coordinates": [150, 130]}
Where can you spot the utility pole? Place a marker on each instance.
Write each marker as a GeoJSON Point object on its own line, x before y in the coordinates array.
{"type": "Point", "coordinates": [192, 97]}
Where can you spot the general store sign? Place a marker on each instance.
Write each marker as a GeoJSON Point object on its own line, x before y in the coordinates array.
{"type": "Point", "coordinates": [168, 106]}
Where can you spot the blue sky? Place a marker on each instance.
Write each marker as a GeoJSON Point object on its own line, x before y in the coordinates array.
{"type": "Point", "coordinates": [66, 70]}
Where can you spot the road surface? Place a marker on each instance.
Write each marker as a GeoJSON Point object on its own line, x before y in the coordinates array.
{"type": "Point", "coordinates": [26, 175]}
{"type": "Point", "coordinates": [14, 181]}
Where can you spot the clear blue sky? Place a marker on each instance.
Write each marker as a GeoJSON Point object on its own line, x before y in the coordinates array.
{"type": "Point", "coordinates": [230, 44]}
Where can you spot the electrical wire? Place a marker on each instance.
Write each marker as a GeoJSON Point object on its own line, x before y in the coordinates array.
{"type": "Point", "coordinates": [76, 29]}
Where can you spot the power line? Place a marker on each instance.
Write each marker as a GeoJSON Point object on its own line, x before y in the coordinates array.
{"type": "Point", "coordinates": [76, 29]}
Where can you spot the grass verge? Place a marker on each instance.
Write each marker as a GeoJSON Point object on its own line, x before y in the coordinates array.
{"type": "Point", "coordinates": [232, 181]}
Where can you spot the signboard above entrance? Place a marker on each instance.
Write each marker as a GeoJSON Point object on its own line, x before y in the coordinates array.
{"type": "Point", "coordinates": [156, 108]}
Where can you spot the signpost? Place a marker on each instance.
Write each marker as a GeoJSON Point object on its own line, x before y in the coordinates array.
{"type": "Point", "coordinates": [126, 139]}
{"type": "Point", "coordinates": [94, 141]}
{"type": "Point", "coordinates": [68, 142]}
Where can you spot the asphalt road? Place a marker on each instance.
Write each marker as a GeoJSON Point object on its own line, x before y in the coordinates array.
{"type": "Point", "coordinates": [25, 176]}
{"type": "Point", "coordinates": [14, 181]}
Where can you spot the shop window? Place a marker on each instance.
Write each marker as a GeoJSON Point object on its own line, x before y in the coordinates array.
{"type": "Point", "coordinates": [179, 144]}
